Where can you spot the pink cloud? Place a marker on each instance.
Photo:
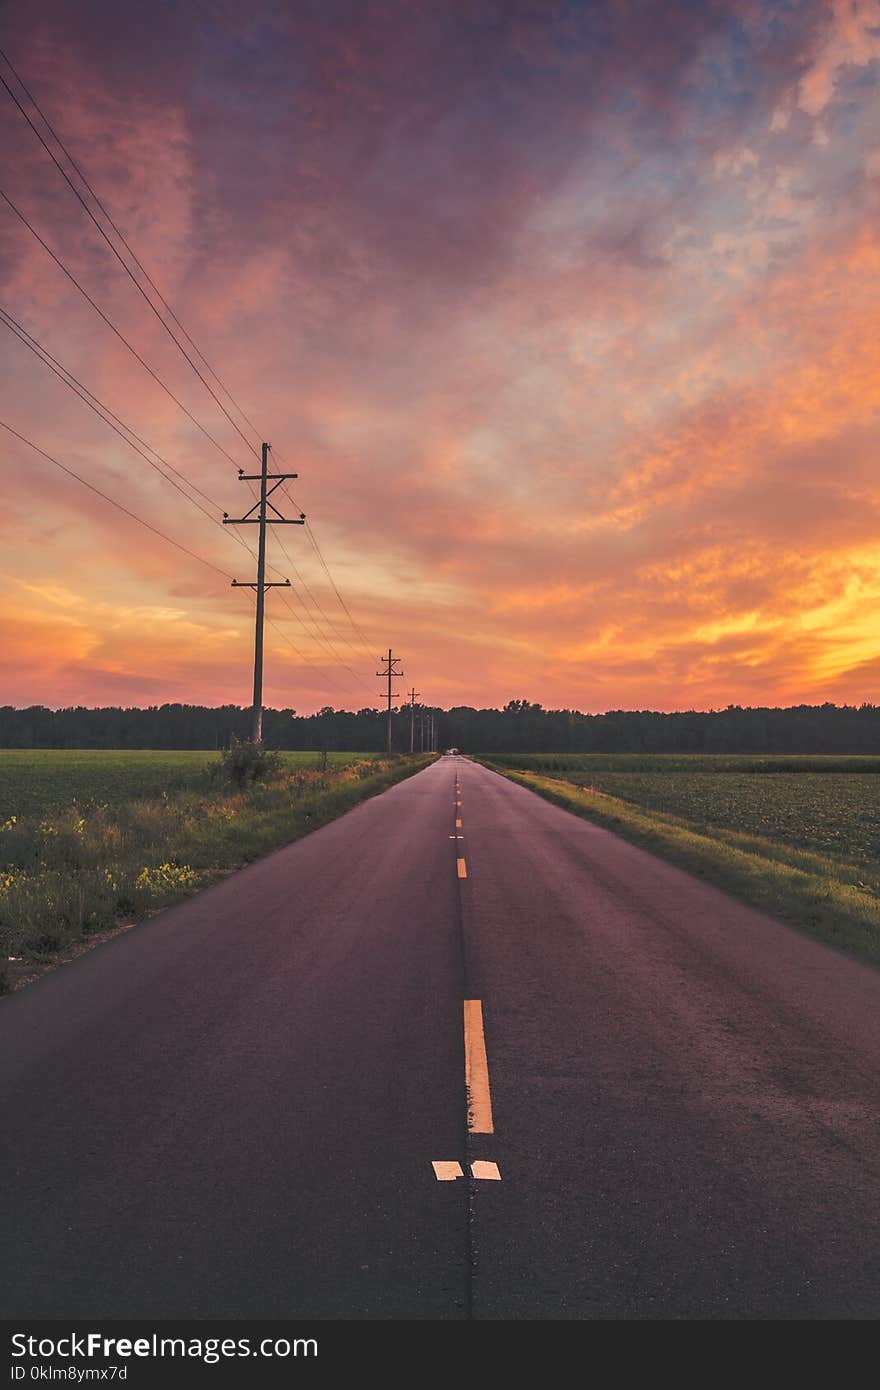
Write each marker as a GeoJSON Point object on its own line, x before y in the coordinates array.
{"type": "Point", "coordinates": [575, 354]}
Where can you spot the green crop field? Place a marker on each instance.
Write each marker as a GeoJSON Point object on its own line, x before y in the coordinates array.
{"type": "Point", "coordinates": [565, 763]}
{"type": "Point", "coordinates": [828, 805]}
{"type": "Point", "coordinates": [39, 781]}
{"type": "Point", "coordinates": [798, 836]}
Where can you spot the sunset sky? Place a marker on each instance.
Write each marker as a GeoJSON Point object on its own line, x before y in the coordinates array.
{"type": "Point", "coordinates": [566, 314]}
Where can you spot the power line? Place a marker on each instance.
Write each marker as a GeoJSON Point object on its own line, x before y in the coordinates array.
{"type": "Point", "coordinates": [98, 406]}
{"type": "Point", "coordinates": [159, 382]}
{"type": "Point", "coordinates": [313, 539]}
{"type": "Point", "coordinates": [322, 672]}
{"type": "Point", "coordinates": [85, 181]}
{"type": "Point", "coordinates": [64, 174]}
{"type": "Point", "coordinates": [317, 549]}
{"type": "Point", "coordinates": [317, 632]}
{"type": "Point", "coordinates": [103, 411]}
{"type": "Point", "coordinates": [305, 588]}
{"type": "Point", "coordinates": [150, 280]}
{"type": "Point", "coordinates": [312, 635]}
{"type": "Point", "coordinates": [113, 503]}
{"type": "Point", "coordinates": [112, 326]}
{"type": "Point", "coordinates": [123, 430]}
{"type": "Point", "coordinates": [162, 535]}
{"type": "Point", "coordinates": [121, 336]}
{"type": "Point", "coordinates": [315, 602]}
{"type": "Point", "coordinates": [161, 297]}
{"type": "Point", "coordinates": [332, 621]}
{"type": "Point", "coordinates": [141, 267]}
{"type": "Point", "coordinates": [170, 393]}
{"type": "Point", "coordinates": [97, 200]}
{"type": "Point", "coordinates": [301, 655]}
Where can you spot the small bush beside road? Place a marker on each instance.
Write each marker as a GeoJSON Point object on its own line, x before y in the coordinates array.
{"type": "Point", "coordinates": [244, 763]}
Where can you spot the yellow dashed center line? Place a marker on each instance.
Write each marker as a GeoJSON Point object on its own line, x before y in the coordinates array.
{"type": "Point", "coordinates": [462, 868]}
{"type": "Point", "coordinates": [476, 1071]}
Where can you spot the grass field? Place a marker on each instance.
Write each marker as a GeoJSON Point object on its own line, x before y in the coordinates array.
{"type": "Point", "coordinates": [798, 837]}
{"type": "Point", "coordinates": [38, 781]}
{"type": "Point", "coordinates": [100, 839]}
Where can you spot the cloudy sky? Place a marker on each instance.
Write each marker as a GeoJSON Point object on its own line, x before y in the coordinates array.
{"type": "Point", "coordinates": [566, 314]}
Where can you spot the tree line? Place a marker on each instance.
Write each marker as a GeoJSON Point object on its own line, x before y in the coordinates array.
{"type": "Point", "coordinates": [520, 726]}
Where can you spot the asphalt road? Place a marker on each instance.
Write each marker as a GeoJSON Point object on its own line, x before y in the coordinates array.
{"type": "Point", "coordinates": [234, 1109]}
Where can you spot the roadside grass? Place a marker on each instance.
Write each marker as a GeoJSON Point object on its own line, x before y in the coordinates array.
{"type": "Point", "coordinates": [79, 872]}
{"type": "Point", "coordinates": [43, 780]}
{"type": "Point", "coordinates": [834, 900]}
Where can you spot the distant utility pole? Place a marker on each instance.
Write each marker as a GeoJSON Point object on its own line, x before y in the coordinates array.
{"type": "Point", "coordinates": [391, 663]}
{"type": "Point", "coordinates": [412, 718]}
{"type": "Point", "coordinates": [261, 585]}
{"type": "Point", "coordinates": [433, 733]}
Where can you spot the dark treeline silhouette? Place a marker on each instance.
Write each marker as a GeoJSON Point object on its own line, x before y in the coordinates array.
{"type": "Point", "coordinates": [519, 727]}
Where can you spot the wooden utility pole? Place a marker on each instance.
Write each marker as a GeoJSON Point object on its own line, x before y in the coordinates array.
{"type": "Point", "coordinates": [391, 663]}
{"type": "Point", "coordinates": [261, 585]}
{"type": "Point", "coordinates": [412, 718]}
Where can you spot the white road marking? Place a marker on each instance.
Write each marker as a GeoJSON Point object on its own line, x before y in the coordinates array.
{"type": "Point", "coordinates": [484, 1169]}
{"type": "Point", "coordinates": [445, 1171]}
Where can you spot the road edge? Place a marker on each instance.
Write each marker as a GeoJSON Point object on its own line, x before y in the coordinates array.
{"type": "Point", "coordinates": [838, 914]}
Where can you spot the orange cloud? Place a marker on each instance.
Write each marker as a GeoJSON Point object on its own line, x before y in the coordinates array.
{"type": "Point", "coordinates": [572, 337]}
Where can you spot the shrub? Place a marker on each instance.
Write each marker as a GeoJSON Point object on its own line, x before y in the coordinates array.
{"type": "Point", "coordinates": [44, 943]}
{"type": "Point", "coordinates": [245, 763]}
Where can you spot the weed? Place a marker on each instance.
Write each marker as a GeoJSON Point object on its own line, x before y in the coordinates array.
{"type": "Point", "coordinates": [90, 865]}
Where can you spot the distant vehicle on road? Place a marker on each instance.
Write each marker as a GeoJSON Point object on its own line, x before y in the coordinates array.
{"type": "Point", "coordinates": [450, 752]}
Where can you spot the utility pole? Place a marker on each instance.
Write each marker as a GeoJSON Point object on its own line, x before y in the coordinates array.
{"type": "Point", "coordinates": [412, 718]}
{"type": "Point", "coordinates": [391, 662]}
{"type": "Point", "coordinates": [261, 585]}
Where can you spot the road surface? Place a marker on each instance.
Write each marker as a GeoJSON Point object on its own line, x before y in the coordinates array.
{"type": "Point", "coordinates": [235, 1109]}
